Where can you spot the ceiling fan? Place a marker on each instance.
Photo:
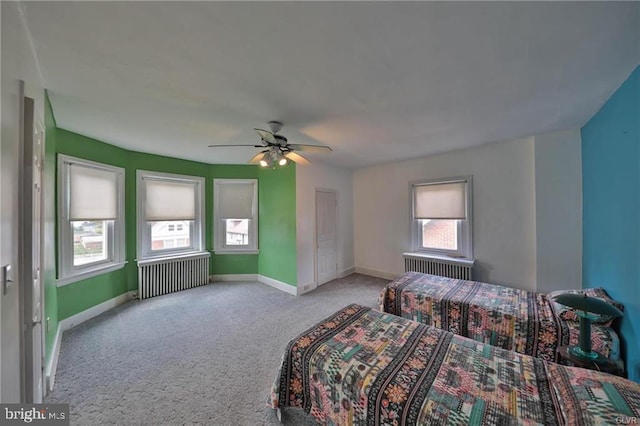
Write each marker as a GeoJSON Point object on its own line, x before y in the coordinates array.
{"type": "Point", "coordinates": [276, 150]}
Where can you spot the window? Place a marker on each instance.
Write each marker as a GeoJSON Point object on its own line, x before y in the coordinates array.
{"type": "Point", "coordinates": [235, 215]}
{"type": "Point", "coordinates": [170, 214]}
{"type": "Point", "coordinates": [441, 217]}
{"type": "Point", "coordinates": [90, 218]}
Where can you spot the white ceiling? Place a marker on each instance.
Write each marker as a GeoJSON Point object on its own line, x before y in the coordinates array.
{"type": "Point", "coordinates": [377, 81]}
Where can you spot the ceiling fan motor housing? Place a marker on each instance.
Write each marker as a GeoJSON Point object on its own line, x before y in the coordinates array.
{"type": "Point", "coordinates": [275, 126]}
{"type": "Point", "coordinates": [280, 139]}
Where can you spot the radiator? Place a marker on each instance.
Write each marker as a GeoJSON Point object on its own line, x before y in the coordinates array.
{"type": "Point", "coordinates": [445, 267]}
{"type": "Point", "coordinates": [162, 276]}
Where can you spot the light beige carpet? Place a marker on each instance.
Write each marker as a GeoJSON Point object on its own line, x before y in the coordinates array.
{"type": "Point", "coordinates": [204, 356]}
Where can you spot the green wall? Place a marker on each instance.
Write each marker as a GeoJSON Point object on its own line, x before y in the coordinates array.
{"type": "Point", "coordinates": [230, 263]}
{"type": "Point", "coordinates": [277, 220]}
{"type": "Point", "coordinates": [49, 240]}
{"type": "Point", "coordinates": [83, 294]}
{"type": "Point", "coordinates": [277, 224]}
{"type": "Point", "coordinates": [156, 163]}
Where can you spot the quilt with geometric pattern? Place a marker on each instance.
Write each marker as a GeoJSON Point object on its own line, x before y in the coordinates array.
{"type": "Point", "coordinates": [513, 319]}
{"type": "Point", "coordinates": [365, 367]}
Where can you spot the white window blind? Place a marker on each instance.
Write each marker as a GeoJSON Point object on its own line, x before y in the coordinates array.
{"type": "Point", "coordinates": [90, 236]}
{"type": "Point", "coordinates": [167, 200]}
{"type": "Point", "coordinates": [440, 201]}
{"type": "Point", "coordinates": [235, 200]}
{"type": "Point", "coordinates": [92, 193]}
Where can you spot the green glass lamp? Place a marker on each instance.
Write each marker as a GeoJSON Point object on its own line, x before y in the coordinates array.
{"type": "Point", "coordinates": [587, 308]}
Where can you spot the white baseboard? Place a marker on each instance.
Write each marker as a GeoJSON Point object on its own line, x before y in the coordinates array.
{"type": "Point", "coordinates": [376, 273]}
{"type": "Point", "coordinates": [306, 288]}
{"type": "Point", "coordinates": [52, 364]}
{"type": "Point", "coordinates": [287, 288]}
{"type": "Point", "coordinates": [72, 321]}
{"type": "Point", "coordinates": [94, 311]}
{"type": "Point", "coordinates": [346, 272]}
{"type": "Point", "coordinates": [233, 277]}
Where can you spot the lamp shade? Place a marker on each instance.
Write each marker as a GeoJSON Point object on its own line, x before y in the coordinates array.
{"type": "Point", "coordinates": [588, 304]}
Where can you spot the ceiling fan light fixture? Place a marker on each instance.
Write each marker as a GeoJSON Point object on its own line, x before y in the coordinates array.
{"type": "Point", "coordinates": [276, 149]}
{"type": "Point", "coordinates": [279, 158]}
{"type": "Point", "coordinates": [266, 161]}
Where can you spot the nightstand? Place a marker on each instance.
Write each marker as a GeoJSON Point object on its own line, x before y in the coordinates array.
{"type": "Point", "coordinates": [606, 365]}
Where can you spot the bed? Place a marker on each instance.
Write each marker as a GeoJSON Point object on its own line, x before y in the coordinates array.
{"type": "Point", "coordinates": [525, 322]}
{"type": "Point", "coordinates": [365, 367]}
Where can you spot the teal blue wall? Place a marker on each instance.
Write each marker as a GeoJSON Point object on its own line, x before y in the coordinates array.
{"type": "Point", "coordinates": [611, 208]}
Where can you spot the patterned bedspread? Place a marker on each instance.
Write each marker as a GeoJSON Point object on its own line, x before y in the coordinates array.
{"type": "Point", "coordinates": [365, 367]}
{"type": "Point", "coordinates": [509, 318]}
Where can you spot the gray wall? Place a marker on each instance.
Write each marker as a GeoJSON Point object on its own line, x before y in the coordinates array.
{"type": "Point", "coordinates": [18, 63]}
{"type": "Point", "coordinates": [504, 231]}
{"type": "Point", "coordinates": [558, 169]}
{"type": "Point", "coordinates": [527, 210]}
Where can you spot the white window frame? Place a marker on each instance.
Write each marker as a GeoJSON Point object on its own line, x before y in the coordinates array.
{"type": "Point", "coordinates": [196, 236]}
{"type": "Point", "coordinates": [114, 233]}
{"type": "Point", "coordinates": [465, 227]}
{"type": "Point", "coordinates": [219, 241]}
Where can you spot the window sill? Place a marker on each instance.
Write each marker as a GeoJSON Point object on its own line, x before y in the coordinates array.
{"type": "Point", "coordinates": [61, 282]}
{"type": "Point", "coordinates": [462, 261]}
{"type": "Point", "coordinates": [166, 257]}
{"type": "Point", "coordinates": [237, 251]}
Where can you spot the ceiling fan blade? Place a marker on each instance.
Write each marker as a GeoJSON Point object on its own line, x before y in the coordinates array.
{"type": "Point", "coordinates": [233, 145]}
{"type": "Point", "coordinates": [296, 158]}
{"type": "Point", "coordinates": [266, 136]}
{"type": "Point", "coordinates": [256, 158]}
{"type": "Point", "coordinates": [310, 148]}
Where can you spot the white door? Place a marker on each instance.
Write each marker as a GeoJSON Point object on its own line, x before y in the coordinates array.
{"type": "Point", "coordinates": [32, 231]}
{"type": "Point", "coordinates": [326, 236]}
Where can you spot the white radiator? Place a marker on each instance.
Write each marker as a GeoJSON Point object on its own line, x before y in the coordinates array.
{"type": "Point", "coordinates": [162, 276]}
{"type": "Point", "coordinates": [436, 265]}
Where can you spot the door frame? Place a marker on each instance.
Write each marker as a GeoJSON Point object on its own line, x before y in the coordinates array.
{"type": "Point", "coordinates": [30, 124]}
{"type": "Point", "coordinates": [315, 231]}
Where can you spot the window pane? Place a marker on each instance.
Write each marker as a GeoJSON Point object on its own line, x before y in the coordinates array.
{"type": "Point", "coordinates": [172, 234]}
{"type": "Point", "coordinates": [237, 232]}
{"type": "Point", "coordinates": [440, 234]}
{"type": "Point", "coordinates": [89, 241]}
